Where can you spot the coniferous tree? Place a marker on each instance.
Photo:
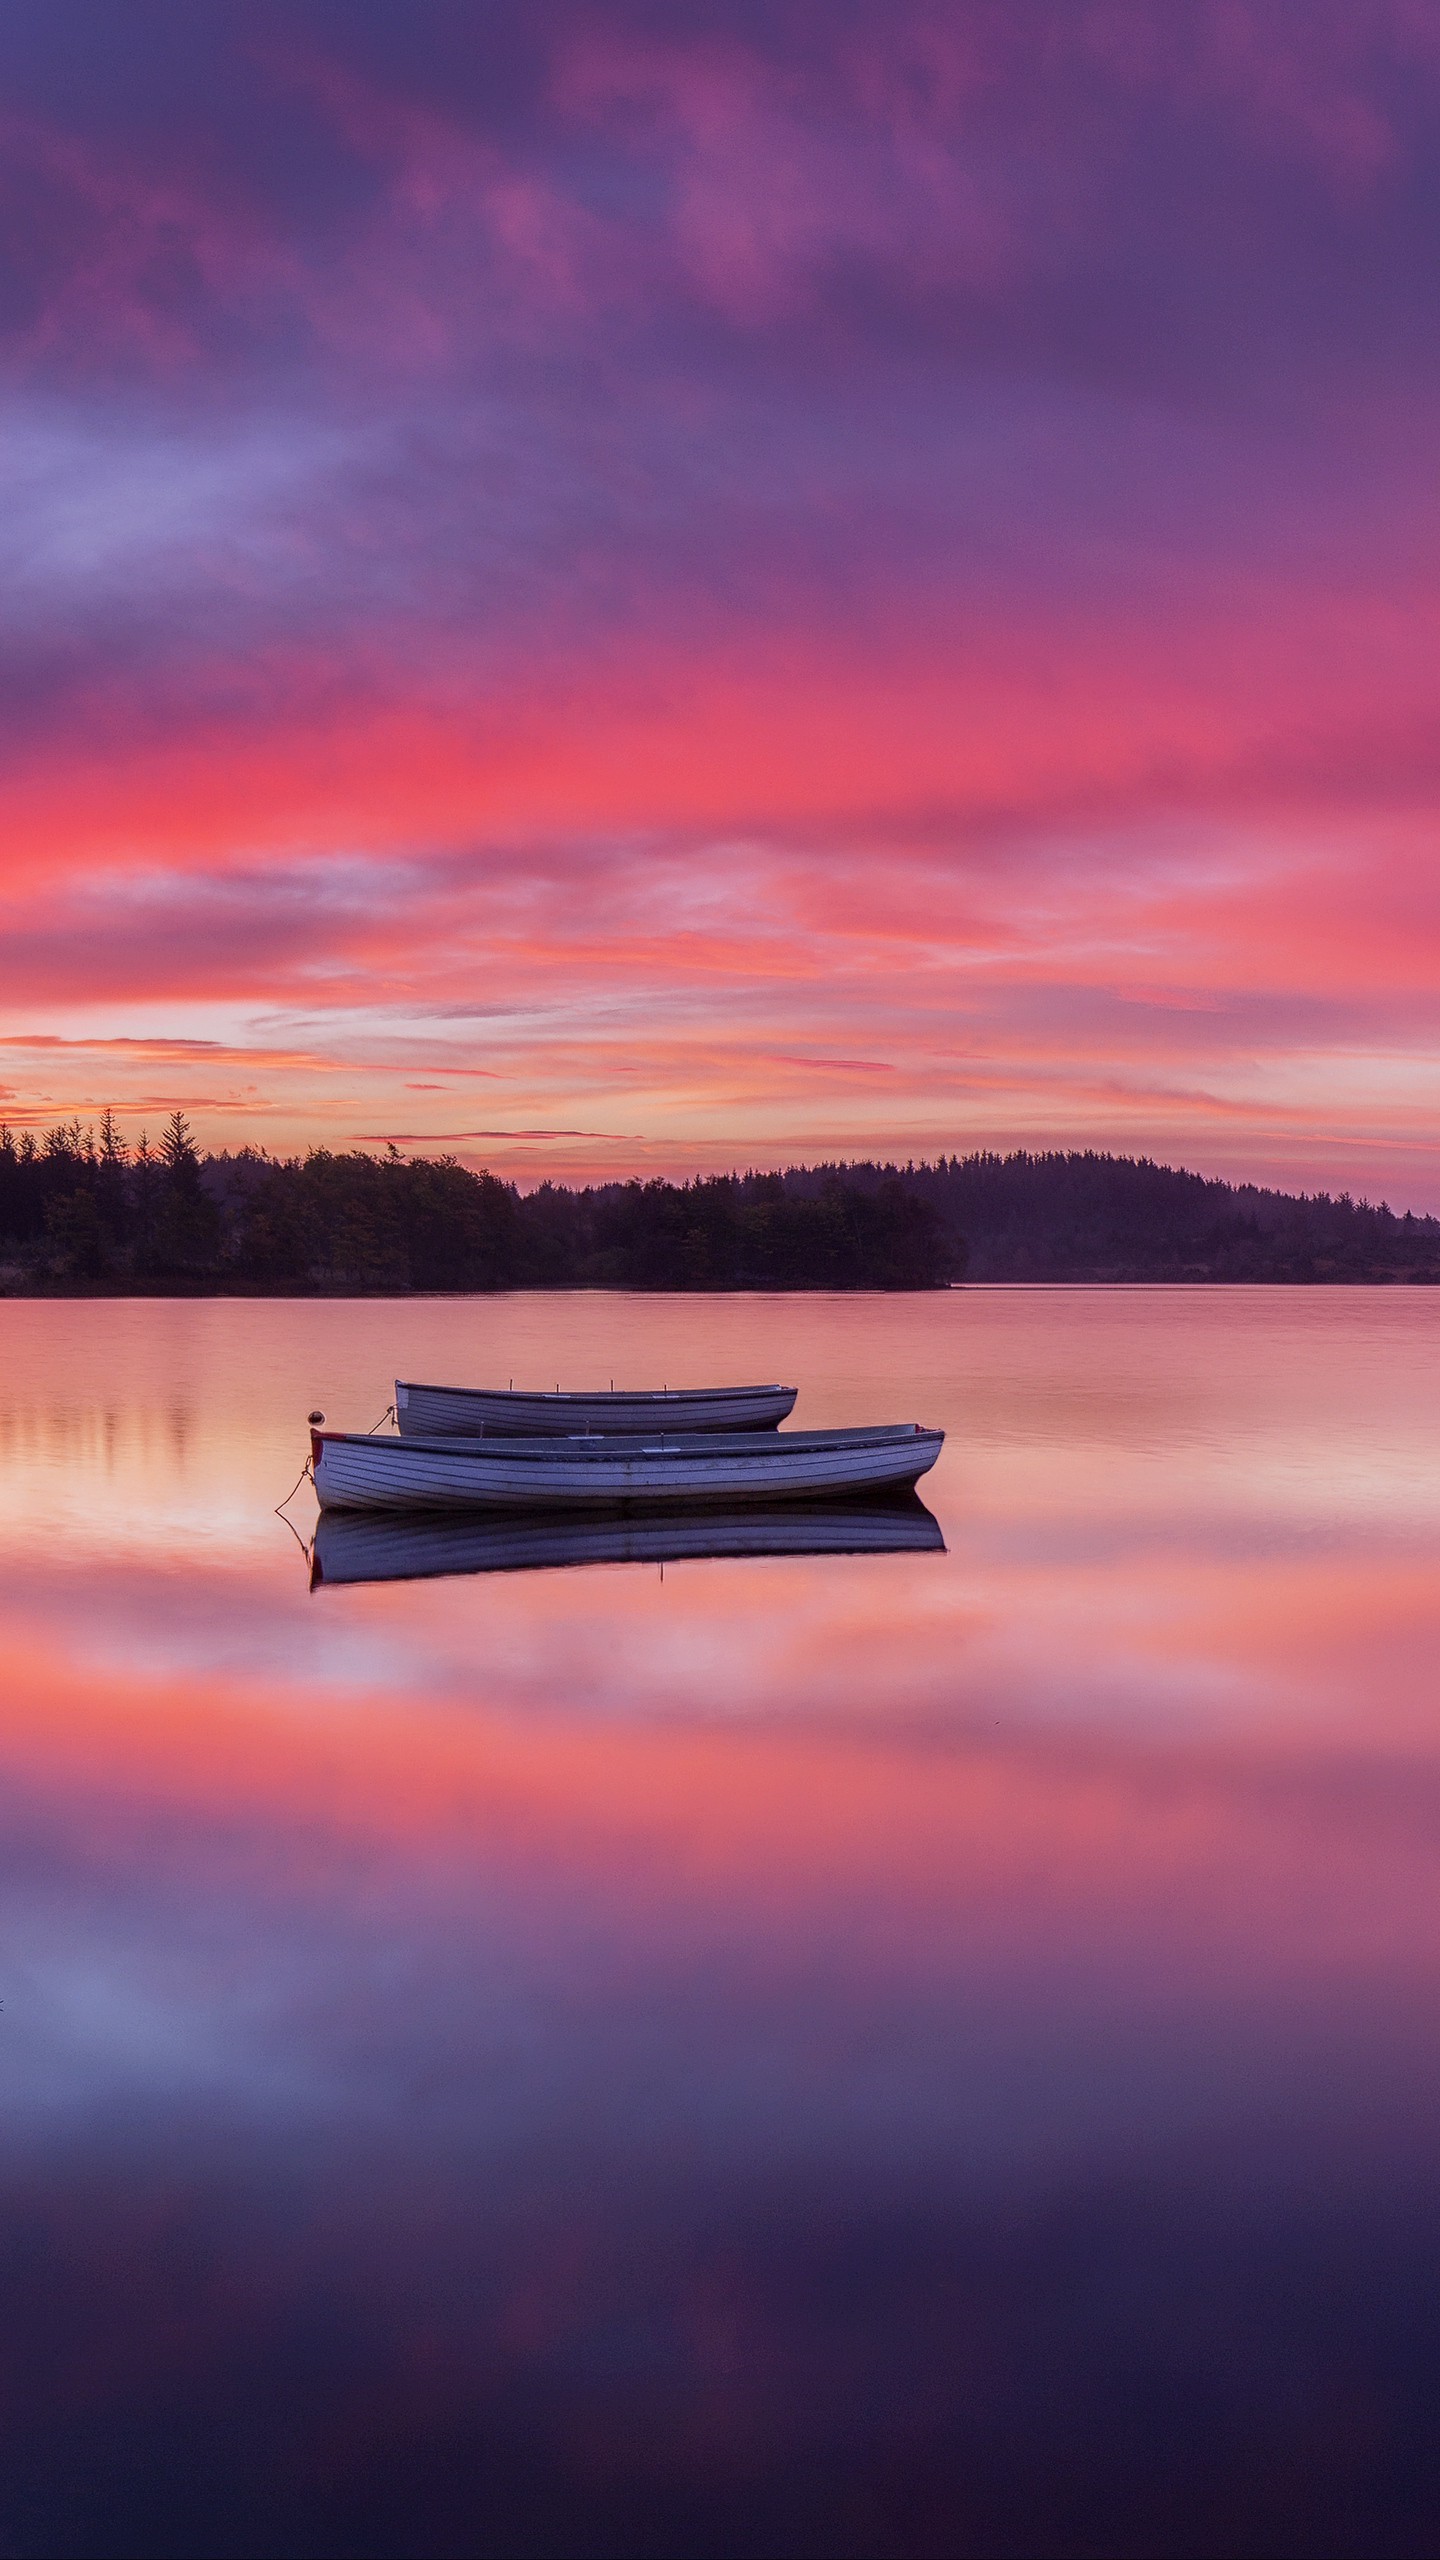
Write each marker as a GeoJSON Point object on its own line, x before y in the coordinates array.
{"type": "Point", "coordinates": [145, 1187]}
{"type": "Point", "coordinates": [74, 1235]}
{"type": "Point", "coordinates": [110, 1183]}
{"type": "Point", "coordinates": [177, 1147]}
{"type": "Point", "coordinates": [187, 1230]}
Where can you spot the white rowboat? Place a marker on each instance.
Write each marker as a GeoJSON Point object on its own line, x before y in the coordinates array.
{"type": "Point", "coordinates": [356, 1471]}
{"type": "Point", "coordinates": [377, 1546]}
{"type": "Point", "coordinates": [440, 1412]}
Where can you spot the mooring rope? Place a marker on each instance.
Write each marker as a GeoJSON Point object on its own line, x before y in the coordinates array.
{"type": "Point", "coordinates": [306, 1470]}
{"type": "Point", "coordinates": [305, 1545]}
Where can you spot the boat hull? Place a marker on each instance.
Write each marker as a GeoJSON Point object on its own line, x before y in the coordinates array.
{"type": "Point", "coordinates": [356, 1472]}
{"type": "Point", "coordinates": [367, 1546]}
{"type": "Point", "coordinates": [423, 1412]}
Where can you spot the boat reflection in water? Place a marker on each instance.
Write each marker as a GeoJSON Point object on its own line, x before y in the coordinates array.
{"type": "Point", "coordinates": [369, 1546]}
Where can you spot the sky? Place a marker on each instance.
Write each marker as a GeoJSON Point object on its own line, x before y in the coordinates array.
{"type": "Point", "coordinates": [643, 589]}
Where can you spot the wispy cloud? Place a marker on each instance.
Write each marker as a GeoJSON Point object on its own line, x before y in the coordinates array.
{"type": "Point", "coordinates": [757, 581]}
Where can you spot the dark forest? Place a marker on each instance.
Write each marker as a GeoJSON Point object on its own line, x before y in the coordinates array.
{"type": "Point", "coordinates": [80, 1212]}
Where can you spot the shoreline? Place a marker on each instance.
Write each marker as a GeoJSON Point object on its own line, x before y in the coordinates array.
{"type": "Point", "coordinates": [90, 1292]}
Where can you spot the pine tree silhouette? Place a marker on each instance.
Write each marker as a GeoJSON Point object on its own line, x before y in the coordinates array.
{"type": "Point", "coordinates": [187, 1232]}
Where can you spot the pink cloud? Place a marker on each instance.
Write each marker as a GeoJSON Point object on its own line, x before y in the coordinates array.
{"type": "Point", "coordinates": [758, 587]}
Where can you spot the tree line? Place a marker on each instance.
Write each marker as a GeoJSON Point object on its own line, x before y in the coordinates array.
{"type": "Point", "coordinates": [81, 1211]}
{"type": "Point", "coordinates": [1083, 1215]}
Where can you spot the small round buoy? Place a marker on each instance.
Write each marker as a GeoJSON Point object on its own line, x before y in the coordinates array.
{"type": "Point", "coordinates": [314, 1417]}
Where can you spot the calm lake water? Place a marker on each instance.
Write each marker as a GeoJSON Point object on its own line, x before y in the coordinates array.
{"type": "Point", "coordinates": [922, 2052]}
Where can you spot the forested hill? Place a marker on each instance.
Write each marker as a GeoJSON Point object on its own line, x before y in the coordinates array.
{"type": "Point", "coordinates": [1100, 1217]}
{"type": "Point", "coordinates": [80, 1211]}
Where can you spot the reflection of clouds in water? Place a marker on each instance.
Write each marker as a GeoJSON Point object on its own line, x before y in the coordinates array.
{"type": "Point", "coordinates": [842, 1939]}
{"type": "Point", "coordinates": [196, 1615]}
{"type": "Point", "coordinates": [730, 2010]}
{"type": "Point", "coordinates": [335, 2352]}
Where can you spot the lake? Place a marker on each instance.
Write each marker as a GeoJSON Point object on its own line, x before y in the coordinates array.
{"type": "Point", "coordinates": [915, 2052]}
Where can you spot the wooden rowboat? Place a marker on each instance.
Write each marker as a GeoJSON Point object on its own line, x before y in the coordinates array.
{"type": "Point", "coordinates": [377, 1546]}
{"type": "Point", "coordinates": [430, 1413]}
{"type": "Point", "coordinates": [355, 1471]}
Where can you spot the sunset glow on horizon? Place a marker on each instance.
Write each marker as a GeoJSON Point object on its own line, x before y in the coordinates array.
{"type": "Point", "coordinates": [612, 590]}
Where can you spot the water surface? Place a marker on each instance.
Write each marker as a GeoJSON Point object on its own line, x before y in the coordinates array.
{"type": "Point", "coordinates": [916, 2052]}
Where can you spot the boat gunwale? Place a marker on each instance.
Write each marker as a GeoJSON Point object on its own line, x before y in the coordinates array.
{"type": "Point", "coordinates": [596, 1447]}
{"type": "Point", "coordinates": [555, 1396]}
